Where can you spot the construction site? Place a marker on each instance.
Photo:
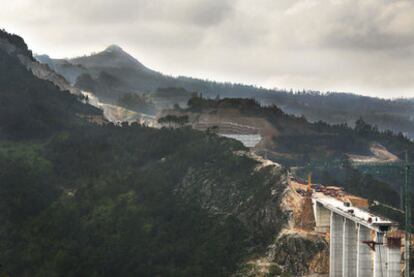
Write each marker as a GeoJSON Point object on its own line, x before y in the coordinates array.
{"type": "Point", "coordinates": [360, 243]}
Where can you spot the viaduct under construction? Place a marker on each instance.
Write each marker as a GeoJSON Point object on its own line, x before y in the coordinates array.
{"type": "Point", "coordinates": [362, 244]}
{"type": "Point", "coordinates": [359, 241]}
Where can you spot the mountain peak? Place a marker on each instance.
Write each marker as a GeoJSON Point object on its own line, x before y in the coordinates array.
{"type": "Point", "coordinates": [114, 48]}
{"type": "Point", "coordinates": [111, 57]}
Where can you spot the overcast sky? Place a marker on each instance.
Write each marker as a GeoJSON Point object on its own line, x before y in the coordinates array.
{"type": "Point", "coordinates": [361, 46]}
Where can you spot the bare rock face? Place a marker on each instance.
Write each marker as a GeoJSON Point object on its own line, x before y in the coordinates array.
{"type": "Point", "coordinates": [300, 254]}
{"type": "Point", "coordinates": [254, 201]}
{"type": "Point", "coordinates": [266, 206]}
{"type": "Point", "coordinates": [41, 71]}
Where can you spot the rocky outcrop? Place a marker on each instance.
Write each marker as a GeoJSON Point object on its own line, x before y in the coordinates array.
{"type": "Point", "coordinates": [301, 254]}
{"type": "Point", "coordinates": [257, 205]}
{"type": "Point", "coordinates": [42, 71]}
{"type": "Point", "coordinates": [269, 209]}
{"type": "Point", "coordinates": [13, 46]}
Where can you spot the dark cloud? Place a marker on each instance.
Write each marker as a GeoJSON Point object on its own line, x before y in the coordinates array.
{"type": "Point", "coordinates": [366, 46]}
{"type": "Point", "coordinates": [198, 12]}
{"type": "Point", "coordinates": [372, 25]}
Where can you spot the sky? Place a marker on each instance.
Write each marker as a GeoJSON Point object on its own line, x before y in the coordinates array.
{"type": "Point", "coordinates": [359, 46]}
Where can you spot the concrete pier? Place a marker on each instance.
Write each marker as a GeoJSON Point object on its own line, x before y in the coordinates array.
{"type": "Point", "coordinates": [359, 245]}
{"type": "Point", "coordinates": [393, 260]}
{"type": "Point", "coordinates": [387, 258]}
{"type": "Point", "coordinates": [364, 262]}
{"type": "Point", "coordinates": [336, 246]}
{"type": "Point", "coordinates": [322, 218]}
{"type": "Point", "coordinates": [349, 255]}
{"type": "Point", "coordinates": [380, 258]}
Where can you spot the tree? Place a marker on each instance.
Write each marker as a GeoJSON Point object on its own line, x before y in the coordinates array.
{"type": "Point", "coordinates": [362, 127]}
{"type": "Point", "coordinates": [173, 120]}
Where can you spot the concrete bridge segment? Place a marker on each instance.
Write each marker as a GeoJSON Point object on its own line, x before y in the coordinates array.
{"type": "Point", "coordinates": [358, 240]}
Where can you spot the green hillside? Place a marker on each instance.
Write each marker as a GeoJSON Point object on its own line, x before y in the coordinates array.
{"type": "Point", "coordinates": [78, 199]}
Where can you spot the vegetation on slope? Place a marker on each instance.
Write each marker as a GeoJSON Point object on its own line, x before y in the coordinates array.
{"type": "Point", "coordinates": [30, 107]}
{"type": "Point", "coordinates": [85, 200]}
{"type": "Point", "coordinates": [137, 103]}
{"type": "Point", "coordinates": [78, 199]}
{"type": "Point", "coordinates": [303, 141]}
{"type": "Point", "coordinates": [335, 108]}
{"type": "Point", "coordinates": [102, 201]}
{"type": "Point", "coordinates": [323, 149]}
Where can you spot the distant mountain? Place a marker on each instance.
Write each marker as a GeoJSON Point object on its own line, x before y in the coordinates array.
{"type": "Point", "coordinates": [112, 57]}
{"type": "Point", "coordinates": [113, 72]}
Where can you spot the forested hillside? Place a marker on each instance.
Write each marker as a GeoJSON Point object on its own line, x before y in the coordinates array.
{"type": "Point", "coordinates": [112, 73]}
{"type": "Point", "coordinates": [293, 140]}
{"type": "Point", "coordinates": [30, 107]}
{"type": "Point", "coordinates": [327, 151]}
{"type": "Point", "coordinates": [78, 199]}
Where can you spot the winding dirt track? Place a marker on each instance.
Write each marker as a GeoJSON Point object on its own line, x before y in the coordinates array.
{"type": "Point", "coordinates": [379, 155]}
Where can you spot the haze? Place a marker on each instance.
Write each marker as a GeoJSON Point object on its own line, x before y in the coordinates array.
{"type": "Point", "coordinates": [364, 47]}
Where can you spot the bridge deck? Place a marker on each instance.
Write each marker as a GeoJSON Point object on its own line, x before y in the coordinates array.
{"type": "Point", "coordinates": [358, 215]}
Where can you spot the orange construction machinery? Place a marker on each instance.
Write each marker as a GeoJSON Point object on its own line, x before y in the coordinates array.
{"type": "Point", "coordinates": [309, 184]}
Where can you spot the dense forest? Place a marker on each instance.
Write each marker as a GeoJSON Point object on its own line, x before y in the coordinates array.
{"type": "Point", "coordinates": [101, 202]}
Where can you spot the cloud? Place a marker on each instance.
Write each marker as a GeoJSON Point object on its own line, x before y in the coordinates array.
{"type": "Point", "coordinates": [107, 12]}
{"type": "Point", "coordinates": [366, 46]}
{"type": "Point", "coordinates": [356, 24]}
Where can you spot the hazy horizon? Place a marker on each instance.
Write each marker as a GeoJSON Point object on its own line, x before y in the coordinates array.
{"type": "Point", "coordinates": [362, 47]}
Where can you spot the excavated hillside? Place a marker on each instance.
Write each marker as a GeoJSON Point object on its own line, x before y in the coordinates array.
{"type": "Point", "coordinates": [297, 248]}
{"type": "Point", "coordinates": [283, 138]}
